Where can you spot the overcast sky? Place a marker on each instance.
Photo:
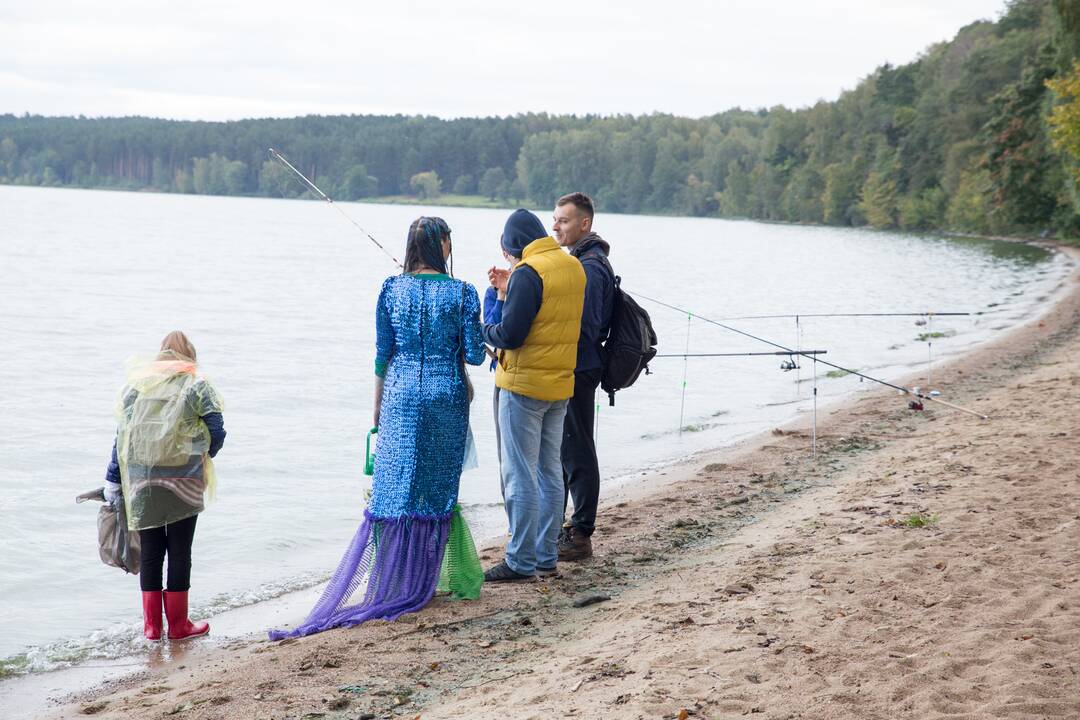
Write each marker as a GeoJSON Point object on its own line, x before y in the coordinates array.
{"type": "Point", "coordinates": [220, 60]}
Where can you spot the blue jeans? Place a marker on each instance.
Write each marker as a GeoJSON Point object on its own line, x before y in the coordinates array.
{"type": "Point", "coordinates": [532, 475]}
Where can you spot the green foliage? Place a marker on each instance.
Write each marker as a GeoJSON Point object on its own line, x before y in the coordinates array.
{"type": "Point", "coordinates": [426, 184]}
{"type": "Point", "coordinates": [923, 211]}
{"type": "Point", "coordinates": [464, 185]}
{"type": "Point", "coordinates": [493, 183]}
{"type": "Point", "coordinates": [1064, 118]}
{"type": "Point", "coordinates": [917, 520]}
{"type": "Point", "coordinates": [877, 201]}
{"type": "Point", "coordinates": [358, 184]}
{"type": "Point", "coordinates": [275, 180]}
{"type": "Point", "coordinates": [217, 175]}
{"type": "Point", "coordinates": [967, 137]}
{"type": "Point", "coordinates": [969, 206]}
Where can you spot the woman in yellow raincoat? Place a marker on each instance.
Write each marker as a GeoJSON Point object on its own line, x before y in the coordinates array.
{"type": "Point", "coordinates": [169, 426]}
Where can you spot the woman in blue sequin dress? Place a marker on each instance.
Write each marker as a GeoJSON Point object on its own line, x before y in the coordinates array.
{"type": "Point", "coordinates": [427, 327]}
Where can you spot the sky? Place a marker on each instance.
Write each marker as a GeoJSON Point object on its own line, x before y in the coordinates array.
{"type": "Point", "coordinates": [226, 60]}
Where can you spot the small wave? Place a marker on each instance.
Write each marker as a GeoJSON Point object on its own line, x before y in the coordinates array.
{"type": "Point", "coordinates": [115, 641]}
{"type": "Point", "coordinates": [480, 505]}
{"type": "Point", "coordinates": [126, 639]}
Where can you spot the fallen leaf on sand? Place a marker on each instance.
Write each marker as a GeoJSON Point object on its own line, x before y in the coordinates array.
{"type": "Point", "coordinates": [683, 714]}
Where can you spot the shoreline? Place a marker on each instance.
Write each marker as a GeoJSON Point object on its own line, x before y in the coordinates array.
{"type": "Point", "coordinates": [483, 204]}
{"type": "Point", "coordinates": [764, 480]}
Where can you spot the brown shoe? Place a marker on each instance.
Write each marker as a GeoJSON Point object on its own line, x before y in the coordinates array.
{"type": "Point", "coordinates": [574, 546]}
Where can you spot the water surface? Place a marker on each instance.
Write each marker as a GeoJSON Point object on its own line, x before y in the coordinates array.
{"type": "Point", "coordinates": [278, 297]}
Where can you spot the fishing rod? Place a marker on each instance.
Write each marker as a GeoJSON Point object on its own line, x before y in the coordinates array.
{"type": "Point", "coordinates": [789, 351]}
{"type": "Point", "coordinates": [787, 365]}
{"type": "Point", "coordinates": [281, 158]}
{"type": "Point", "coordinates": [928, 313]}
{"type": "Point", "coordinates": [742, 354]}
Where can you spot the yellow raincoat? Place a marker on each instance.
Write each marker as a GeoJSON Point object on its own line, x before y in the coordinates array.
{"type": "Point", "coordinates": [162, 443]}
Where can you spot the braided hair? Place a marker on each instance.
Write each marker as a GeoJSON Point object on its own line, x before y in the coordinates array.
{"type": "Point", "coordinates": [423, 246]}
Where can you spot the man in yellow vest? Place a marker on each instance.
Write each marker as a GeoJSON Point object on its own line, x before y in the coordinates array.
{"type": "Point", "coordinates": [537, 339]}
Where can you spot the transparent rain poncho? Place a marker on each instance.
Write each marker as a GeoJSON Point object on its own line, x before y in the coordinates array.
{"type": "Point", "coordinates": [162, 443]}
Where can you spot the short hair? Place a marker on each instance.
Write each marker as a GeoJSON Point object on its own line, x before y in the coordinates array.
{"type": "Point", "coordinates": [579, 200]}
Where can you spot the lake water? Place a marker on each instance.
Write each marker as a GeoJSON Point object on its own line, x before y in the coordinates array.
{"type": "Point", "coordinates": [278, 296]}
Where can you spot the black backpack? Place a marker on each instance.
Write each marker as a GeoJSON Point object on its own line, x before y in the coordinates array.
{"type": "Point", "coordinates": [630, 344]}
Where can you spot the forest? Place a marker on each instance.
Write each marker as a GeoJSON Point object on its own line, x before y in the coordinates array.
{"type": "Point", "coordinates": [979, 134]}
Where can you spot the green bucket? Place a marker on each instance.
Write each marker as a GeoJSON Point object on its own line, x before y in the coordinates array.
{"type": "Point", "coordinates": [369, 457]}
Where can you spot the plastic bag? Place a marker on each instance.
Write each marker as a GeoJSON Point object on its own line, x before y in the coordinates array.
{"type": "Point", "coordinates": [472, 460]}
{"type": "Point", "coordinates": [117, 546]}
{"type": "Point", "coordinates": [461, 574]}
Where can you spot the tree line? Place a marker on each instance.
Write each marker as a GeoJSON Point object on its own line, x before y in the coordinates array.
{"type": "Point", "coordinates": [974, 135]}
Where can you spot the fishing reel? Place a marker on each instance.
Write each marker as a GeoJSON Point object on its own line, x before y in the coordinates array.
{"type": "Point", "coordinates": [789, 364]}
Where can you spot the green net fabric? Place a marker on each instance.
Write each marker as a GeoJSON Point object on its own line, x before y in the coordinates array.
{"type": "Point", "coordinates": [461, 575]}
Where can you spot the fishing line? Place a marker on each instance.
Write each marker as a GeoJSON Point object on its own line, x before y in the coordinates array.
{"type": "Point", "coordinates": [798, 346]}
{"type": "Point", "coordinates": [686, 356]}
{"type": "Point", "coordinates": [813, 430]}
{"type": "Point", "coordinates": [929, 348]}
{"type": "Point", "coordinates": [789, 351]}
{"type": "Point", "coordinates": [281, 158]}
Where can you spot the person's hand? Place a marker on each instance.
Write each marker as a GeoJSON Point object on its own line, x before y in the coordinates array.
{"type": "Point", "coordinates": [113, 494]}
{"type": "Point", "coordinates": [499, 279]}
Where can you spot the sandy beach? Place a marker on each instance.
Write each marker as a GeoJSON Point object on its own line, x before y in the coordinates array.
{"type": "Point", "coordinates": [924, 566]}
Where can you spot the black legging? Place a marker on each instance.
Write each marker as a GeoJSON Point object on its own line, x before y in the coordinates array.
{"type": "Point", "coordinates": [175, 540]}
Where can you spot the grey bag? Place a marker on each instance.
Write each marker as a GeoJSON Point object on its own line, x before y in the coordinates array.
{"type": "Point", "coordinates": [117, 546]}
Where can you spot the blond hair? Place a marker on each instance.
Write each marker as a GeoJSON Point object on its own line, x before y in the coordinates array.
{"type": "Point", "coordinates": [178, 343]}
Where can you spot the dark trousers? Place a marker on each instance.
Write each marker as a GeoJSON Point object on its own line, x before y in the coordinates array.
{"type": "Point", "coordinates": [173, 540]}
{"type": "Point", "coordinates": [581, 472]}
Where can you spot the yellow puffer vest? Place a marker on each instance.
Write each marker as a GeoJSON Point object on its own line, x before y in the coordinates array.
{"type": "Point", "coordinates": [543, 367]}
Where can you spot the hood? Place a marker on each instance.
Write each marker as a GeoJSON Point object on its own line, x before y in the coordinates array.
{"type": "Point", "coordinates": [522, 227]}
{"type": "Point", "coordinates": [590, 242]}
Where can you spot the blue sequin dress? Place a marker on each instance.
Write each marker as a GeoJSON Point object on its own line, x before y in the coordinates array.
{"type": "Point", "coordinates": [426, 325]}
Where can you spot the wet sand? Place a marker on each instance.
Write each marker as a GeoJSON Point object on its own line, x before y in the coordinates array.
{"type": "Point", "coordinates": [924, 566]}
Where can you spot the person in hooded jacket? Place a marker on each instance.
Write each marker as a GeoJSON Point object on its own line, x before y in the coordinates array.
{"type": "Point", "coordinates": [573, 220]}
{"type": "Point", "coordinates": [537, 340]}
{"type": "Point", "coordinates": [169, 427]}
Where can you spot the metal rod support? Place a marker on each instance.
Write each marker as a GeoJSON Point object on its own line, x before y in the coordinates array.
{"type": "Point", "coordinates": [789, 351]}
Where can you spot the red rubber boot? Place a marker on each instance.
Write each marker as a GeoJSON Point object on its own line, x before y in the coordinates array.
{"type": "Point", "coordinates": [151, 613]}
{"type": "Point", "coordinates": [180, 627]}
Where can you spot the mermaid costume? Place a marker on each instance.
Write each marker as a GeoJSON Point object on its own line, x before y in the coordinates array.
{"type": "Point", "coordinates": [413, 539]}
